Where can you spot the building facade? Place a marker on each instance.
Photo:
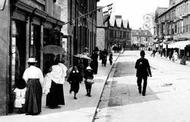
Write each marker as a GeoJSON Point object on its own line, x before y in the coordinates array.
{"type": "Point", "coordinates": [80, 27]}
{"type": "Point", "coordinates": [114, 32]}
{"type": "Point", "coordinates": [29, 26]}
{"type": "Point", "coordinates": [173, 25]}
{"type": "Point", "coordinates": [141, 38]}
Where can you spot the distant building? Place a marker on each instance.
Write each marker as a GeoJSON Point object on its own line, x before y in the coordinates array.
{"type": "Point", "coordinates": [173, 27]}
{"type": "Point", "coordinates": [114, 32]}
{"type": "Point", "coordinates": [141, 38]}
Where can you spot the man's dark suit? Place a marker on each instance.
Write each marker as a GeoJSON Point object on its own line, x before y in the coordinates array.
{"type": "Point", "coordinates": [143, 71]}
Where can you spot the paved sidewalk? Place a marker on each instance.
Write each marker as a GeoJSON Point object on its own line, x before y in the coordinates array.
{"type": "Point", "coordinates": [82, 109]}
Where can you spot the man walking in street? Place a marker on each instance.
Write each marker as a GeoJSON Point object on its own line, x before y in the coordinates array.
{"type": "Point", "coordinates": [143, 71]}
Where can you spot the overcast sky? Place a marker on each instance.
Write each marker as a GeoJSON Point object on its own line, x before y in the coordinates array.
{"type": "Point", "coordinates": [134, 10]}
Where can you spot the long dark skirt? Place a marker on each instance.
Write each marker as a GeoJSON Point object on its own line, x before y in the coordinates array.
{"type": "Point", "coordinates": [56, 96]}
{"type": "Point", "coordinates": [74, 86]}
{"type": "Point", "coordinates": [94, 66]}
{"type": "Point", "coordinates": [33, 97]}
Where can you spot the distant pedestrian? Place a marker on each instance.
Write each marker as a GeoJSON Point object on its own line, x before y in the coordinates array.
{"type": "Point", "coordinates": [74, 79]}
{"type": "Point", "coordinates": [34, 80]}
{"type": "Point", "coordinates": [175, 56]}
{"type": "Point", "coordinates": [143, 71]}
{"type": "Point", "coordinates": [111, 58]}
{"type": "Point", "coordinates": [183, 60]}
{"type": "Point", "coordinates": [153, 53]}
{"type": "Point", "coordinates": [100, 55]}
{"type": "Point", "coordinates": [94, 62]}
{"type": "Point", "coordinates": [88, 80]}
{"type": "Point", "coordinates": [104, 57]}
{"type": "Point", "coordinates": [170, 54]}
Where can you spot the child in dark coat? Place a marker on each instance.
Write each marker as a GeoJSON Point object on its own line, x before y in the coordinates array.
{"type": "Point", "coordinates": [88, 80]}
{"type": "Point", "coordinates": [74, 79]}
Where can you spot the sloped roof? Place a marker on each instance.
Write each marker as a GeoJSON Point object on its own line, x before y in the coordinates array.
{"type": "Point", "coordinates": [118, 22]}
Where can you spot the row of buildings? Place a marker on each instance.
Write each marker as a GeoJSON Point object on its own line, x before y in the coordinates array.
{"type": "Point", "coordinates": [29, 25]}
{"type": "Point", "coordinates": [172, 27]}
{"type": "Point", "coordinates": [115, 31]}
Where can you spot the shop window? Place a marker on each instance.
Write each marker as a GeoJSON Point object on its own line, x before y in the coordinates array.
{"type": "Point", "coordinates": [18, 51]}
{"type": "Point", "coordinates": [18, 56]}
{"type": "Point", "coordinates": [35, 43]}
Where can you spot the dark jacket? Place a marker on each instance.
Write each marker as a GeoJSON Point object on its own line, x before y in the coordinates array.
{"type": "Point", "coordinates": [143, 68]}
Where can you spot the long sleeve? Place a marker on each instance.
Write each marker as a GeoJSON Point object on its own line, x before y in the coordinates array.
{"type": "Point", "coordinates": [47, 84]}
{"type": "Point", "coordinates": [41, 77]}
{"type": "Point", "coordinates": [33, 73]}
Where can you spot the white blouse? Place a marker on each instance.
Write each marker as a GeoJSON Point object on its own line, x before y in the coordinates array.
{"type": "Point", "coordinates": [33, 73]}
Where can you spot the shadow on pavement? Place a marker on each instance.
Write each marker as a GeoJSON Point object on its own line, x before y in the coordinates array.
{"type": "Point", "coordinates": [124, 94]}
{"type": "Point", "coordinates": [125, 69]}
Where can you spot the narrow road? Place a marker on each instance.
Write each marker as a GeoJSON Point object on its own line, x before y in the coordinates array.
{"type": "Point", "coordinates": [167, 98]}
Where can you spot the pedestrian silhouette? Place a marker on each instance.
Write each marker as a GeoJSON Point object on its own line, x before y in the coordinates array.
{"type": "Point", "coordinates": [33, 77]}
{"type": "Point", "coordinates": [74, 78]}
{"type": "Point", "coordinates": [143, 71]}
{"type": "Point", "coordinates": [111, 58]}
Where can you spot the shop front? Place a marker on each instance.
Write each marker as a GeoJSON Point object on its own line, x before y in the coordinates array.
{"type": "Point", "coordinates": [31, 30]}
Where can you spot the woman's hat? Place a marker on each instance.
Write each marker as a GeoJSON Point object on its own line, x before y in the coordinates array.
{"type": "Point", "coordinates": [31, 60]}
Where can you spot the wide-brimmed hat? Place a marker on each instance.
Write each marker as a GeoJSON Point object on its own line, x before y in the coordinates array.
{"type": "Point", "coordinates": [32, 60]}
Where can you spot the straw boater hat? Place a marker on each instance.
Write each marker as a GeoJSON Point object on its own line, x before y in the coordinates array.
{"type": "Point", "coordinates": [31, 60]}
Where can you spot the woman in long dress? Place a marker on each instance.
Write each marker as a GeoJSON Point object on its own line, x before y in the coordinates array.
{"type": "Point", "coordinates": [53, 85]}
{"type": "Point", "coordinates": [34, 79]}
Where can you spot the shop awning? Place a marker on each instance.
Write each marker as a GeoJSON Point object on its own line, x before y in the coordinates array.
{"type": "Point", "coordinates": [179, 44]}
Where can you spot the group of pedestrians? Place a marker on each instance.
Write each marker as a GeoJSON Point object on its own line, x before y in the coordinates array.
{"type": "Point", "coordinates": [104, 56]}
{"type": "Point", "coordinates": [35, 83]}
{"type": "Point", "coordinates": [29, 92]}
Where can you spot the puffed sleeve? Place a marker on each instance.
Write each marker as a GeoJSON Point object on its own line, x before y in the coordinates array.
{"type": "Point", "coordinates": [25, 75]}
